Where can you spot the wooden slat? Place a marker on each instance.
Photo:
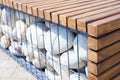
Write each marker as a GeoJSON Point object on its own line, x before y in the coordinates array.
{"type": "Point", "coordinates": [104, 41]}
{"type": "Point", "coordinates": [104, 26]}
{"type": "Point", "coordinates": [48, 5]}
{"type": "Point", "coordinates": [82, 23]}
{"type": "Point", "coordinates": [73, 6]}
{"type": "Point", "coordinates": [16, 2]}
{"type": "Point", "coordinates": [11, 3]}
{"type": "Point", "coordinates": [26, 2]}
{"type": "Point", "coordinates": [107, 75]}
{"type": "Point", "coordinates": [99, 68]}
{"type": "Point", "coordinates": [101, 55]}
{"type": "Point", "coordinates": [82, 8]}
{"type": "Point", "coordinates": [117, 77]}
{"type": "Point", "coordinates": [32, 5]}
{"type": "Point", "coordinates": [72, 20]}
{"type": "Point", "coordinates": [1, 2]}
{"type": "Point", "coordinates": [41, 9]}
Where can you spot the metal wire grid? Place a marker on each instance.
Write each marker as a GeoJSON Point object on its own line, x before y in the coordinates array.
{"type": "Point", "coordinates": [58, 69]}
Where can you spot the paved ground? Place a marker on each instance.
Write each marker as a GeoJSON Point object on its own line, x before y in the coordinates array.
{"type": "Point", "coordinates": [11, 70]}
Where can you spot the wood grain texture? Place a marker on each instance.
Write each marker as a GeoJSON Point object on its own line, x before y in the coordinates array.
{"type": "Point", "coordinates": [1, 2]}
{"type": "Point", "coordinates": [107, 75]}
{"type": "Point", "coordinates": [99, 68]}
{"type": "Point", "coordinates": [98, 56]}
{"type": "Point", "coordinates": [116, 77]}
{"type": "Point", "coordinates": [104, 41]}
{"type": "Point", "coordinates": [82, 23]}
{"type": "Point", "coordinates": [72, 20]}
{"type": "Point", "coordinates": [82, 10]}
{"type": "Point", "coordinates": [104, 26]}
{"type": "Point", "coordinates": [71, 9]}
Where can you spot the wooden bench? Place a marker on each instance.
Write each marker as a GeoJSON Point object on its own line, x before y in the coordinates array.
{"type": "Point", "coordinates": [99, 18]}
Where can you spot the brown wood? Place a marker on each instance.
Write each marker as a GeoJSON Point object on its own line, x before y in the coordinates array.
{"type": "Point", "coordinates": [72, 20]}
{"type": "Point", "coordinates": [107, 75]}
{"type": "Point", "coordinates": [11, 3]}
{"type": "Point", "coordinates": [1, 2]}
{"type": "Point", "coordinates": [26, 2]}
{"type": "Point", "coordinates": [99, 68]}
{"type": "Point", "coordinates": [34, 7]}
{"type": "Point", "coordinates": [82, 10]}
{"type": "Point", "coordinates": [72, 8]}
{"type": "Point", "coordinates": [27, 6]}
{"type": "Point", "coordinates": [82, 23]}
{"type": "Point", "coordinates": [104, 26]}
{"type": "Point", "coordinates": [117, 77]}
{"type": "Point", "coordinates": [104, 41]}
{"type": "Point", "coordinates": [46, 7]}
{"type": "Point", "coordinates": [101, 55]}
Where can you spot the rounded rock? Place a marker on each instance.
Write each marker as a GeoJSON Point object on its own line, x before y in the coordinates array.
{"type": "Point", "coordinates": [5, 41]}
{"type": "Point", "coordinates": [80, 46]}
{"type": "Point", "coordinates": [21, 28]}
{"type": "Point", "coordinates": [58, 40]}
{"type": "Point", "coordinates": [35, 35]}
{"type": "Point", "coordinates": [72, 57]}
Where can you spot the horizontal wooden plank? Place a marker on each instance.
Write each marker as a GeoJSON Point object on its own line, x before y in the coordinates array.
{"type": "Point", "coordinates": [26, 2]}
{"type": "Point", "coordinates": [1, 2]}
{"type": "Point", "coordinates": [72, 20]}
{"type": "Point", "coordinates": [83, 10]}
{"type": "Point", "coordinates": [117, 77]}
{"type": "Point", "coordinates": [82, 23]}
{"type": "Point", "coordinates": [107, 75]}
{"type": "Point", "coordinates": [101, 55]}
{"type": "Point", "coordinates": [104, 26]}
{"type": "Point", "coordinates": [41, 10]}
{"type": "Point", "coordinates": [99, 68]}
{"type": "Point", "coordinates": [104, 41]}
{"type": "Point", "coordinates": [34, 6]}
{"type": "Point", "coordinates": [48, 13]}
{"type": "Point", "coordinates": [72, 8]}
{"type": "Point", "coordinates": [15, 3]}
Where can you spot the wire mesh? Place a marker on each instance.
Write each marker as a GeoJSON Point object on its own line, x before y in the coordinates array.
{"type": "Point", "coordinates": [48, 50]}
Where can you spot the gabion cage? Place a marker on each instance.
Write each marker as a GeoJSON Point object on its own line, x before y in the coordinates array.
{"type": "Point", "coordinates": [48, 50]}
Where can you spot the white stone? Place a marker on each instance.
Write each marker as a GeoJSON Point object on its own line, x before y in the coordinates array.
{"type": "Point", "coordinates": [72, 58]}
{"type": "Point", "coordinates": [52, 75]}
{"type": "Point", "coordinates": [1, 34]}
{"type": "Point", "coordinates": [80, 46]}
{"type": "Point", "coordinates": [0, 13]}
{"type": "Point", "coordinates": [54, 62]}
{"type": "Point", "coordinates": [27, 50]}
{"type": "Point", "coordinates": [50, 24]}
{"type": "Point", "coordinates": [12, 50]}
{"type": "Point", "coordinates": [14, 34]}
{"type": "Point", "coordinates": [55, 42]}
{"type": "Point", "coordinates": [35, 35]}
{"type": "Point", "coordinates": [75, 76]}
{"type": "Point", "coordinates": [51, 58]}
{"type": "Point", "coordinates": [86, 70]}
{"type": "Point", "coordinates": [16, 48]}
{"type": "Point", "coordinates": [6, 30]}
{"type": "Point", "coordinates": [28, 59]}
{"type": "Point", "coordinates": [5, 41]}
{"type": "Point", "coordinates": [39, 63]}
{"type": "Point", "coordinates": [8, 17]}
{"type": "Point", "coordinates": [21, 28]}
{"type": "Point", "coordinates": [26, 17]}
{"type": "Point", "coordinates": [38, 54]}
